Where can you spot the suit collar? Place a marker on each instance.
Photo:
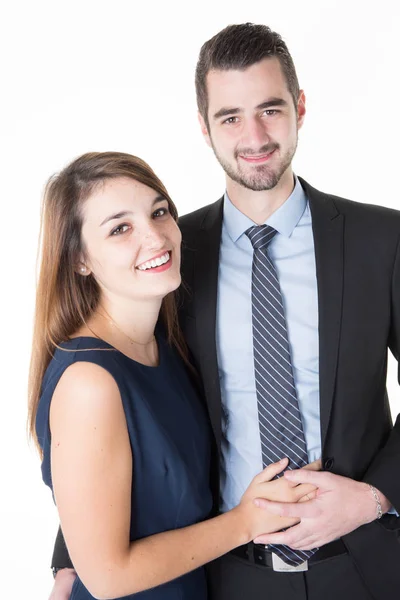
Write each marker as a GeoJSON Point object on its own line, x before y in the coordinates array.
{"type": "Point", "coordinates": [213, 217]}
{"type": "Point", "coordinates": [284, 219]}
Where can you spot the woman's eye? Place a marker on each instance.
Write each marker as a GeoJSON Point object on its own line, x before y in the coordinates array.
{"type": "Point", "coordinates": [161, 212]}
{"type": "Point", "coordinates": [120, 229]}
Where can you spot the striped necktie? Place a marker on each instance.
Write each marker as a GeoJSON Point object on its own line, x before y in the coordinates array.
{"type": "Point", "coordinates": [281, 429]}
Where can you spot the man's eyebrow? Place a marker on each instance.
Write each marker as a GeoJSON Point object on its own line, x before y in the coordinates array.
{"type": "Point", "coordinates": [226, 112]}
{"type": "Point", "coordinates": [125, 213]}
{"type": "Point", "coordinates": [272, 102]}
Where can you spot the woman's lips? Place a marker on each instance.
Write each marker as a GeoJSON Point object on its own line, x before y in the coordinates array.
{"type": "Point", "coordinates": [161, 268]}
{"type": "Point", "coordinates": [150, 267]}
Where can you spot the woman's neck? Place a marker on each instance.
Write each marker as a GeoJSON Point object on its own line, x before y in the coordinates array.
{"type": "Point", "coordinates": [128, 326]}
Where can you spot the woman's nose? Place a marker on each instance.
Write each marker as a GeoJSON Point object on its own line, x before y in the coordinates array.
{"type": "Point", "coordinates": [153, 237]}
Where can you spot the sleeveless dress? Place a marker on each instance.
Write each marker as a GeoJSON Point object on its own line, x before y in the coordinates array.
{"type": "Point", "coordinates": [170, 440]}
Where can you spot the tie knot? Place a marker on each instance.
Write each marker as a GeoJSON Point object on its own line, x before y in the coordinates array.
{"type": "Point", "coordinates": [260, 235]}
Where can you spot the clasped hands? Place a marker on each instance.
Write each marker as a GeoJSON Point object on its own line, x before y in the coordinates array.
{"type": "Point", "coordinates": [315, 507]}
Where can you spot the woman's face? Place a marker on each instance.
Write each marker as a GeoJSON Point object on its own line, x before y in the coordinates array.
{"type": "Point", "coordinates": [132, 243]}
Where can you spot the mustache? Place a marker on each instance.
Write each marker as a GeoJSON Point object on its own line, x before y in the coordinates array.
{"type": "Point", "coordinates": [263, 150]}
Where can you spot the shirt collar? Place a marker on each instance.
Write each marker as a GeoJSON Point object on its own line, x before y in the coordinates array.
{"type": "Point", "coordinates": [284, 219]}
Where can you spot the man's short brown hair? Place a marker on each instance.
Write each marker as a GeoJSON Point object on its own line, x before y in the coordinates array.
{"type": "Point", "coordinates": [239, 47]}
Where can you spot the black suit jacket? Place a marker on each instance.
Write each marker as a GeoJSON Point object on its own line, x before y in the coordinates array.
{"type": "Point", "coordinates": [357, 250]}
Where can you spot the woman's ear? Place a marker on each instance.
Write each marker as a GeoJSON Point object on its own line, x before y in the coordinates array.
{"type": "Point", "coordinates": [82, 269]}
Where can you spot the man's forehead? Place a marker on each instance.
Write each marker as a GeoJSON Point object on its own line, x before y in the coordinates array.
{"type": "Point", "coordinates": [255, 84]}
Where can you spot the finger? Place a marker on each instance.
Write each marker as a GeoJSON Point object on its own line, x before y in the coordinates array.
{"type": "Point", "coordinates": [304, 510]}
{"type": "Point", "coordinates": [302, 545]}
{"type": "Point", "coordinates": [302, 490]}
{"type": "Point", "coordinates": [261, 539]}
{"type": "Point", "coordinates": [319, 479]}
{"type": "Point", "coordinates": [307, 544]}
{"type": "Point", "coordinates": [288, 537]}
{"type": "Point", "coordinates": [316, 465]}
{"type": "Point", "coordinates": [271, 471]}
{"type": "Point", "coordinates": [280, 525]}
{"type": "Point", "coordinates": [309, 496]}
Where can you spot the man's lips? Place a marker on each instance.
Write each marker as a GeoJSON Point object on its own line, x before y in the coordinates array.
{"type": "Point", "coordinates": [257, 158]}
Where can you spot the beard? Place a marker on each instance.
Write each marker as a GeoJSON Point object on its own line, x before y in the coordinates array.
{"type": "Point", "coordinates": [259, 177]}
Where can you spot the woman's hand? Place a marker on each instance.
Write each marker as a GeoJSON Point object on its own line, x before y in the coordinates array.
{"type": "Point", "coordinates": [262, 486]}
{"type": "Point", "coordinates": [282, 490]}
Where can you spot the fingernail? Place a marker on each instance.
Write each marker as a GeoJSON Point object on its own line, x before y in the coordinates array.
{"type": "Point", "coordinates": [282, 460]}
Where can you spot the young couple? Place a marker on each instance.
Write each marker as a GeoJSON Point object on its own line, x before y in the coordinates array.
{"type": "Point", "coordinates": [260, 440]}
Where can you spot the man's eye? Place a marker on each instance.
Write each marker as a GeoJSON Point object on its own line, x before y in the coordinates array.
{"type": "Point", "coordinates": [161, 212]}
{"type": "Point", "coordinates": [271, 112]}
{"type": "Point", "coordinates": [120, 229]}
{"type": "Point", "coordinates": [230, 121]}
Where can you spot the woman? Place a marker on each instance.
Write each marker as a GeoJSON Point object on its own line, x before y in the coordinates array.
{"type": "Point", "coordinates": [124, 437]}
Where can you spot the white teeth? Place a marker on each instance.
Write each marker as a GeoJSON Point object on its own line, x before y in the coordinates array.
{"type": "Point", "coordinates": [155, 262]}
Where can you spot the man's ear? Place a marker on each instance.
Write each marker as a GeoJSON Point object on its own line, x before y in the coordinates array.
{"type": "Point", "coordinates": [301, 109]}
{"type": "Point", "coordinates": [204, 129]}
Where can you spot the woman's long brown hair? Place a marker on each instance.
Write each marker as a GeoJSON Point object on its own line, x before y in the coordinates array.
{"type": "Point", "coordinates": [65, 299]}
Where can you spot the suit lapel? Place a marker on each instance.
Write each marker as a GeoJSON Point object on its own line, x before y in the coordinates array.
{"type": "Point", "coordinates": [205, 302]}
{"type": "Point", "coordinates": [328, 228]}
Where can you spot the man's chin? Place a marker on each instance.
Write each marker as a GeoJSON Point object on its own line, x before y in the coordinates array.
{"type": "Point", "coordinates": [258, 179]}
{"type": "Point", "coordinates": [258, 184]}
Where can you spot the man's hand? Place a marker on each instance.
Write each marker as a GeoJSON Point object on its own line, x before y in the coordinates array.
{"type": "Point", "coordinates": [63, 585]}
{"type": "Point", "coordinates": [340, 506]}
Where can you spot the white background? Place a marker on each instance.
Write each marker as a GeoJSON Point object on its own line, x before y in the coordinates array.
{"type": "Point", "coordinates": [80, 76]}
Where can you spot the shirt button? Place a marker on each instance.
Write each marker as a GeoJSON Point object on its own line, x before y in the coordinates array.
{"type": "Point", "coordinates": [328, 464]}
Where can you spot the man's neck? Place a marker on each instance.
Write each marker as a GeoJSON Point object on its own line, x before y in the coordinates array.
{"type": "Point", "coordinates": [258, 206]}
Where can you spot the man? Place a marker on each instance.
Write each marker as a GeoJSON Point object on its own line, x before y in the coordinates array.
{"type": "Point", "coordinates": [293, 301]}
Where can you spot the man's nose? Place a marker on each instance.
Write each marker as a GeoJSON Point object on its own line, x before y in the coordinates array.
{"type": "Point", "coordinates": [254, 134]}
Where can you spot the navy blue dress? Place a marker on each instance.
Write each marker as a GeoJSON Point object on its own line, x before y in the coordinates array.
{"type": "Point", "coordinates": [170, 439]}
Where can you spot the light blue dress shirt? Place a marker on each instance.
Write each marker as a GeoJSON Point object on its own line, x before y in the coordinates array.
{"type": "Point", "coordinates": [292, 251]}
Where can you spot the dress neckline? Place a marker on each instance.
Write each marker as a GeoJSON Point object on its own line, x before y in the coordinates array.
{"type": "Point", "coordinates": [111, 347]}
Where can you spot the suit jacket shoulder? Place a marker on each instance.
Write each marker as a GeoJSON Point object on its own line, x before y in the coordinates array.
{"type": "Point", "coordinates": [196, 217]}
{"type": "Point", "coordinates": [361, 213]}
{"type": "Point", "coordinates": [207, 217]}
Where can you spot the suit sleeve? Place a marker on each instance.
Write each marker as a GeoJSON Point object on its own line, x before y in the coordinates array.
{"type": "Point", "coordinates": [384, 472]}
{"type": "Point", "coordinates": [61, 559]}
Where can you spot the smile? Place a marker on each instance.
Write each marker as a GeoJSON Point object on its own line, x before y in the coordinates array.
{"type": "Point", "coordinates": [257, 158]}
{"type": "Point", "coordinates": [159, 263]}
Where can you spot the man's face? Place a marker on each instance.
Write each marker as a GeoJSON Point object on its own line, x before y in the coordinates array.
{"type": "Point", "coordinates": [253, 123]}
